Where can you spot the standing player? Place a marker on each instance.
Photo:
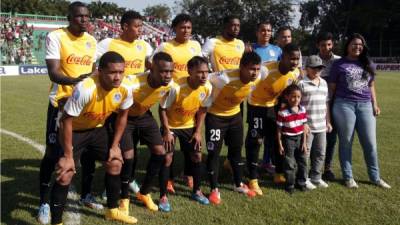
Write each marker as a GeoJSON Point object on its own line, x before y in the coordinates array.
{"type": "Point", "coordinates": [149, 88]}
{"type": "Point", "coordinates": [224, 120]}
{"type": "Point", "coordinates": [70, 57]}
{"type": "Point", "coordinates": [181, 48]}
{"type": "Point", "coordinates": [82, 130]}
{"type": "Point", "coordinates": [267, 51]}
{"type": "Point", "coordinates": [325, 52]}
{"type": "Point", "coordinates": [262, 108]}
{"type": "Point", "coordinates": [135, 51]}
{"type": "Point", "coordinates": [225, 51]}
{"type": "Point", "coordinates": [284, 37]}
{"type": "Point", "coordinates": [183, 118]}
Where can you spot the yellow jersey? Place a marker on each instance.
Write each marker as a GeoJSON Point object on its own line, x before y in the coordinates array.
{"type": "Point", "coordinates": [181, 54]}
{"type": "Point", "coordinates": [228, 92]}
{"type": "Point", "coordinates": [223, 54]}
{"type": "Point", "coordinates": [272, 85]}
{"type": "Point", "coordinates": [76, 55]}
{"type": "Point", "coordinates": [134, 53]}
{"type": "Point", "coordinates": [145, 96]}
{"type": "Point", "coordinates": [90, 104]}
{"type": "Point", "coordinates": [186, 102]}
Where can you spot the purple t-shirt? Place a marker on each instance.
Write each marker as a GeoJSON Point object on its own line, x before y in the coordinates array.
{"type": "Point", "coordinates": [348, 77]}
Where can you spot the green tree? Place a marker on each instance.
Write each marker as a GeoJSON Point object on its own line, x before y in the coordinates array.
{"type": "Point", "coordinates": [99, 9]}
{"type": "Point", "coordinates": [160, 11]}
{"type": "Point", "coordinates": [207, 15]}
{"type": "Point", "coordinates": [376, 20]}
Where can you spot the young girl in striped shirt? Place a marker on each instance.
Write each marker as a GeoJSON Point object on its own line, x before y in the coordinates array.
{"type": "Point", "coordinates": [292, 139]}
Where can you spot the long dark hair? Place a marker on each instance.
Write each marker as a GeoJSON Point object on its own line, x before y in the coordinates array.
{"type": "Point", "coordinates": [364, 56]}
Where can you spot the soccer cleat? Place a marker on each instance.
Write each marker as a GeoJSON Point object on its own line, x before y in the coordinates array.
{"type": "Point", "coordinates": [170, 187]}
{"type": "Point", "coordinates": [253, 185]}
{"type": "Point", "coordinates": [279, 178]}
{"type": "Point", "coordinates": [215, 197]}
{"type": "Point", "coordinates": [90, 201]}
{"type": "Point", "coordinates": [44, 214]}
{"type": "Point", "coordinates": [381, 183]}
{"type": "Point", "coordinates": [189, 181]}
{"type": "Point", "coordinates": [147, 201]}
{"type": "Point", "coordinates": [200, 198]}
{"type": "Point", "coordinates": [164, 205]}
{"type": "Point", "coordinates": [124, 206]}
{"type": "Point", "coordinates": [134, 186]}
{"type": "Point", "coordinates": [117, 215]}
{"type": "Point", "coordinates": [243, 189]}
{"type": "Point", "coordinates": [351, 183]}
{"type": "Point", "coordinates": [309, 185]}
{"type": "Point", "coordinates": [320, 183]}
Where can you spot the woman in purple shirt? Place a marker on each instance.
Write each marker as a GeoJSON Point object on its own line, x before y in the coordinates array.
{"type": "Point", "coordinates": [352, 82]}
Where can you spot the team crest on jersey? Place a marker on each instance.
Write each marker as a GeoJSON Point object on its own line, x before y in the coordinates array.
{"type": "Point", "coordinates": [193, 50]}
{"type": "Point", "coordinates": [210, 146]}
{"type": "Point", "coordinates": [88, 45]}
{"type": "Point", "coordinates": [202, 96]}
{"type": "Point", "coordinates": [76, 94]}
{"type": "Point", "coordinates": [289, 82]}
{"type": "Point", "coordinates": [162, 93]}
{"type": "Point", "coordinates": [238, 47]}
{"type": "Point", "coordinates": [139, 48]}
{"type": "Point", "coordinates": [117, 97]}
{"type": "Point", "coordinates": [271, 52]}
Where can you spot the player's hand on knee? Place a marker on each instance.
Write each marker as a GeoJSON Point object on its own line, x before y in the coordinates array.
{"type": "Point", "coordinates": [65, 166]}
{"type": "Point", "coordinates": [169, 141]}
{"type": "Point", "coordinates": [115, 154]}
{"type": "Point", "coordinates": [196, 138]}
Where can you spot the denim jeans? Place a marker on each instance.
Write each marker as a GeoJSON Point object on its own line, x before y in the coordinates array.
{"type": "Point", "coordinates": [351, 116]}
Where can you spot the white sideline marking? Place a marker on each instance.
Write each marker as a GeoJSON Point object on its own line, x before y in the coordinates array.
{"type": "Point", "coordinates": [72, 214]}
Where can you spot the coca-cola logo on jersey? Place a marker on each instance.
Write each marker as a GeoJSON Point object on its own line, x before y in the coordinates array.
{"type": "Point", "coordinates": [85, 60]}
{"type": "Point", "coordinates": [134, 64]}
{"type": "Point", "coordinates": [229, 60]}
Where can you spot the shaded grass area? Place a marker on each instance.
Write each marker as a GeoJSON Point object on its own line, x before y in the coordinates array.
{"type": "Point", "coordinates": [23, 110]}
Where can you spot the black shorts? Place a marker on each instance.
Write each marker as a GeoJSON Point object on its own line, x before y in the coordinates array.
{"type": "Point", "coordinates": [184, 136]}
{"type": "Point", "coordinates": [220, 128]}
{"type": "Point", "coordinates": [52, 141]}
{"type": "Point", "coordinates": [95, 142]}
{"type": "Point", "coordinates": [262, 121]}
{"type": "Point", "coordinates": [142, 128]}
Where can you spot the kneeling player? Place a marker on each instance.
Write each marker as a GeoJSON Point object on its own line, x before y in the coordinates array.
{"type": "Point", "coordinates": [183, 118]}
{"type": "Point", "coordinates": [224, 120]}
{"type": "Point", "coordinates": [82, 131]}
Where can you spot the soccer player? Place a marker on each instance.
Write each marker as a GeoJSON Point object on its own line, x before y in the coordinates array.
{"type": "Point", "coordinates": [82, 130]}
{"type": "Point", "coordinates": [325, 52]}
{"type": "Point", "coordinates": [149, 88]}
{"type": "Point", "coordinates": [267, 51]}
{"type": "Point", "coordinates": [70, 57]}
{"type": "Point", "coordinates": [183, 118]}
{"type": "Point", "coordinates": [225, 51]}
{"type": "Point", "coordinates": [224, 120]}
{"type": "Point", "coordinates": [135, 51]}
{"type": "Point", "coordinates": [262, 108]}
{"type": "Point", "coordinates": [181, 48]}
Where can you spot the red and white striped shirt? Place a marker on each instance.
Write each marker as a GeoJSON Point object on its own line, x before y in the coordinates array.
{"type": "Point", "coordinates": [290, 122]}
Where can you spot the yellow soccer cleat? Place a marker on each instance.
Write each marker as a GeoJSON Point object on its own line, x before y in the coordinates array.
{"type": "Point", "coordinates": [117, 215]}
{"type": "Point", "coordinates": [279, 178]}
{"type": "Point", "coordinates": [147, 201]}
{"type": "Point", "coordinates": [124, 206]}
{"type": "Point", "coordinates": [253, 185]}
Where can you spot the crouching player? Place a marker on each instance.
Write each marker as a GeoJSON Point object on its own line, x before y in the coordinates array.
{"type": "Point", "coordinates": [82, 130]}
{"type": "Point", "coordinates": [183, 119]}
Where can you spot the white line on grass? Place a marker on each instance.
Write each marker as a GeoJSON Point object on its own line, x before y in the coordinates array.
{"type": "Point", "coordinates": [72, 214]}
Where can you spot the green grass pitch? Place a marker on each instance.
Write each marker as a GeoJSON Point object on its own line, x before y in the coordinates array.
{"type": "Point", "coordinates": [23, 110]}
